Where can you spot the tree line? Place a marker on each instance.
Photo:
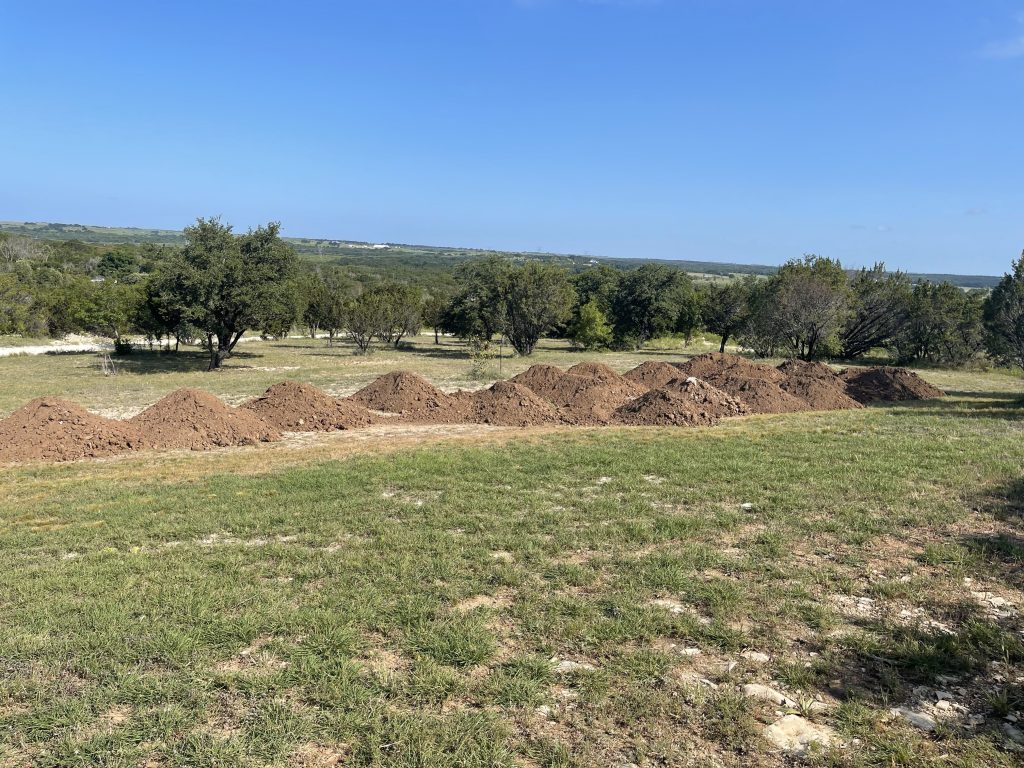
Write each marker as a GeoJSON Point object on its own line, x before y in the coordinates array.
{"type": "Point", "coordinates": [220, 285]}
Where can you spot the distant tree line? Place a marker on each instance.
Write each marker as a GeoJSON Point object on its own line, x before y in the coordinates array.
{"type": "Point", "coordinates": [220, 285]}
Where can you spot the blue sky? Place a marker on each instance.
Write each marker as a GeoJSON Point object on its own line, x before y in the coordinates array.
{"type": "Point", "coordinates": [728, 130]}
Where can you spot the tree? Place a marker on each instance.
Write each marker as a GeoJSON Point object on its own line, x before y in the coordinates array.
{"type": "Point", "coordinates": [650, 301]}
{"type": "Point", "coordinates": [590, 329]}
{"type": "Point", "coordinates": [536, 298]}
{"type": "Point", "coordinates": [726, 308]}
{"type": "Point", "coordinates": [879, 305]}
{"type": "Point", "coordinates": [230, 284]}
{"type": "Point", "coordinates": [811, 301]}
{"type": "Point", "coordinates": [364, 317]}
{"type": "Point", "coordinates": [944, 325]}
{"type": "Point", "coordinates": [1004, 318]}
{"type": "Point", "coordinates": [477, 309]}
{"type": "Point", "coordinates": [402, 313]}
{"type": "Point", "coordinates": [434, 309]}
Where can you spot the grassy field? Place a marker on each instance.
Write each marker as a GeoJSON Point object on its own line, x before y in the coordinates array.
{"type": "Point", "coordinates": [412, 598]}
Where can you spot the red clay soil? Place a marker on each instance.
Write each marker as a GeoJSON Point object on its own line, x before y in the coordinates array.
{"type": "Point", "coordinates": [52, 429]}
{"type": "Point", "coordinates": [585, 400]}
{"type": "Point", "coordinates": [714, 364]}
{"type": "Point", "coordinates": [663, 407]}
{"type": "Point", "coordinates": [708, 398]}
{"type": "Point", "coordinates": [600, 372]}
{"type": "Point", "coordinates": [191, 418]}
{"type": "Point", "coordinates": [758, 395]}
{"type": "Point", "coordinates": [817, 385]}
{"type": "Point", "coordinates": [510, 404]}
{"type": "Point", "coordinates": [292, 406]}
{"type": "Point", "coordinates": [541, 378]}
{"type": "Point", "coordinates": [409, 395]}
{"type": "Point", "coordinates": [887, 384]}
{"type": "Point", "coordinates": [652, 374]}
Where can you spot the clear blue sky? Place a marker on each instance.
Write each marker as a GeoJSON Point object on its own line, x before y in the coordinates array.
{"type": "Point", "coordinates": [729, 130]}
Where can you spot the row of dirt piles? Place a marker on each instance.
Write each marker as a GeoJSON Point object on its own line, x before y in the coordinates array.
{"type": "Point", "coordinates": [51, 429]}
{"type": "Point", "coordinates": [886, 384]}
{"type": "Point", "coordinates": [292, 406]}
{"type": "Point", "coordinates": [698, 392]}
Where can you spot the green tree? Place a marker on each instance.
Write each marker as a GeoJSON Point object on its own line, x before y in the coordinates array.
{"type": "Point", "coordinates": [365, 315]}
{"type": "Point", "coordinates": [435, 308]}
{"type": "Point", "coordinates": [477, 309]}
{"type": "Point", "coordinates": [590, 329]}
{"type": "Point", "coordinates": [811, 299]}
{"type": "Point", "coordinates": [402, 313]}
{"type": "Point", "coordinates": [1004, 318]}
{"type": "Point", "coordinates": [879, 302]}
{"type": "Point", "coordinates": [650, 301]}
{"type": "Point", "coordinates": [229, 284]}
{"type": "Point", "coordinates": [536, 298]}
{"type": "Point", "coordinates": [944, 325]}
{"type": "Point", "coordinates": [726, 307]}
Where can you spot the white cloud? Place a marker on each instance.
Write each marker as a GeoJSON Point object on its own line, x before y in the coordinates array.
{"type": "Point", "coordinates": [1010, 48]}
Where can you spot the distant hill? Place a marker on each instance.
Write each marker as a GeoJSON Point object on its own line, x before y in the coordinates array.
{"type": "Point", "coordinates": [386, 255]}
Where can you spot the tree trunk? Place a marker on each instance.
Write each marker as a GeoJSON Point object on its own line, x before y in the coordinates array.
{"type": "Point", "coordinates": [436, 339]}
{"type": "Point", "coordinates": [725, 338]}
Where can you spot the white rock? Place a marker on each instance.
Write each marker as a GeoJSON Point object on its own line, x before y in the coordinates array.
{"type": "Point", "coordinates": [747, 506]}
{"type": "Point", "coordinates": [795, 735]}
{"type": "Point", "coordinates": [544, 710]}
{"type": "Point", "coordinates": [763, 692]}
{"type": "Point", "coordinates": [916, 719]}
{"type": "Point", "coordinates": [689, 651]}
{"type": "Point", "coordinates": [566, 666]}
{"type": "Point", "coordinates": [756, 656]}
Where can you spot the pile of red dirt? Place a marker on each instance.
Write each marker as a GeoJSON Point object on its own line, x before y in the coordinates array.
{"type": "Point", "coordinates": [756, 385]}
{"type": "Point", "coordinates": [510, 404]}
{"type": "Point", "coordinates": [707, 398]}
{"type": "Point", "coordinates": [409, 395]}
{"type": "Point", "coordinates": [541, 378]}
{"type": "Point", "coordinates": [887, 384]}
{"type": "Point", "coordinates": [191, 418]}
{"type": "Point", "coordinates": [652, 374]}
{"type": "Point", "coordinates": [587, 400]}
{"type": "Point", "coordinates": [758, 395]}
{"type": "Point", "coordinates": [52, 429]}
{"type": "Point", "coordinates": [817, 385]}
{"type": "Point", "coordinates": [598, 372]}
{"type": "Point", "coordinates": [663, 407]}
{"type": "Point", "coordinates": [292, 406]}
{"type": "Point", "coordinates": [712, 365]}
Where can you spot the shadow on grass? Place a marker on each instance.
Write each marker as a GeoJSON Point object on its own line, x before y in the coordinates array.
{"type": "Point", "coordinates": [1004, 406]}
{"type": "Point", "coordinates": [184, 361]}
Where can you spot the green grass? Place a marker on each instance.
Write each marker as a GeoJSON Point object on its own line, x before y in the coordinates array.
{"type": "Point", "coordinates": [402, 607]}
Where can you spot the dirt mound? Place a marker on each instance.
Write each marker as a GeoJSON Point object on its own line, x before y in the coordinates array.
{"type": "Point", "coordinates": [541, 378]}
{"type": "Point", "coordinates": [708, 399]}
{"type": "Point", "coordinates": [52, 429]}
{"type": "Point", "coordinates": [714, 364]}
{"type": "Point", "coordinates": [794, 367]}
{"type": "Point", "coordinates": [511, 404]}
{"type": "Point", "coordinates": [191, 418]}
{"type": "Point", "coordinates": [587, 400]}
{"type": "Point", "coordinates": [887, 384]}
{"type": "Point", "coordinates": [652, 374]}
{"type": "Point", "coordinates": [598, 371]}
{"type": "Point", "coordinates": [663, 407]}
{"type": "Point", "coordinates": [817, 385]}
{"type": "Point", "coordinates": [758, 395]}
{"type": "Point", "coordinates": [296, 407]}
{"type": "Point", "coordinates": [410, 395]}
